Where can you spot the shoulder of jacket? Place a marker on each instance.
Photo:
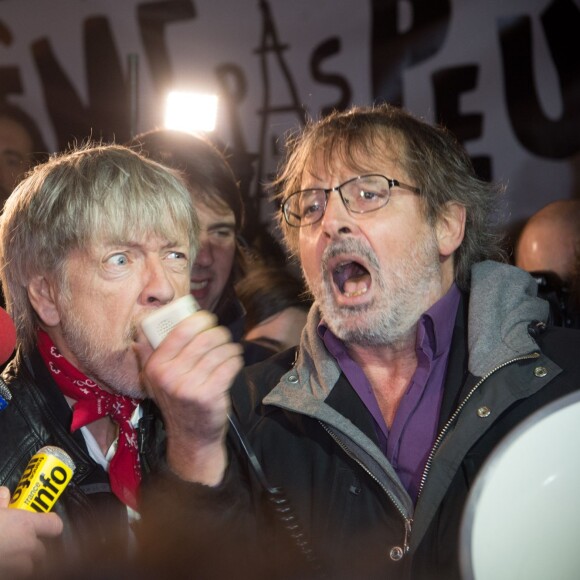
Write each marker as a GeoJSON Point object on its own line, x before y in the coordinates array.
{"type": "Point", "coordinates": [256, 381]}
{"type": "Point", "coordinates": [272, 368]}
{"type": "Point", "coordinates": [19, 435]}
{"type": "Point", "coordinates": [26, 420]}
{"type": "Point", "coordinates": [557, 342]}
{"type": "Point", "coordinates": [543, 332]}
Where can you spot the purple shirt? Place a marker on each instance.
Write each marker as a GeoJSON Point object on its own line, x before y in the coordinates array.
{"type": "Point", "coordinates": [409, 440]}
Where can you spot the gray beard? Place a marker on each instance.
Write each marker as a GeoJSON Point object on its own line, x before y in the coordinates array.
{"type": "Point", "coordinates": [99, 362]}
{"type": "Point", "coordinates": [390, 319]}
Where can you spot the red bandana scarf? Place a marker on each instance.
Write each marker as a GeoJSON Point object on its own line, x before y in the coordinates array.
{"type": "Point", "coordinates": [92, 403]}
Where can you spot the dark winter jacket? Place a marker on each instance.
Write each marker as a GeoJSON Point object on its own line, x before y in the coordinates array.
{"type": "Point", "coordinates": [315, 441]}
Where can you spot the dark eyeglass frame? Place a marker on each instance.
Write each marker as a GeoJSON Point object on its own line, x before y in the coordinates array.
{"type": "Point", "coordinates": [284, 206]}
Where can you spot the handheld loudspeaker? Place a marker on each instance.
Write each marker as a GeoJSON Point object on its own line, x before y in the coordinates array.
{"type": "Point", "coordinates": [159, 324]}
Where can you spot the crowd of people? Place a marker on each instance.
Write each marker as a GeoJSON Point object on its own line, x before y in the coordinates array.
{"type": "Point", "coordinates": [330, 426]}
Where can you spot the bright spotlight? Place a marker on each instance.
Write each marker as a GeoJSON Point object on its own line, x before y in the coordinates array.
{"type": "Point", "coordinates": [191, 112]}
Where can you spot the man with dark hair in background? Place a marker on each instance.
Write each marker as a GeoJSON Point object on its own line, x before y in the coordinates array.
{"type": "Point", "coordinates": [221, 260]}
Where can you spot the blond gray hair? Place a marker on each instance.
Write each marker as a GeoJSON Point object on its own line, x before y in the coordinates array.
{"type": "Point", "coordinates": [96, 192]}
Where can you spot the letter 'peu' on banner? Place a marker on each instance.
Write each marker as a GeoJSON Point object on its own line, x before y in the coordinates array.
{"type": "Point", "coordinates": [46, 476]}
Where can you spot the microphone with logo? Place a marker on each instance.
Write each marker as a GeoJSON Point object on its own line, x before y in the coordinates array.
{"type": "Point", "coordinates": [45, 478]}
{"type": "Point", "coordinates": [7, 344]}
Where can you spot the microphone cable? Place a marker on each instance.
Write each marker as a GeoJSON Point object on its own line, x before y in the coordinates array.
{"type": "Point", "coordinates": [279, 503]}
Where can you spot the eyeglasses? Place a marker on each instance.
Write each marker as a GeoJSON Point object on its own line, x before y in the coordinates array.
{"type": "Point", "coordinates": [361, 194]}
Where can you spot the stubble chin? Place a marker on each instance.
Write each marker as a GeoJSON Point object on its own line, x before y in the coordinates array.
{"type": "Point", "coordinates": [124, 375]}
{"type": "Point", "coordinates": [117, 369]}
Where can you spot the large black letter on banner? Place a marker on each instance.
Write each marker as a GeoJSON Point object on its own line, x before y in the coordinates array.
{"type": "Point", "coordinates": [106, 116]}
{"type": "Point", "coordinates": [542, 136]}
{"type": "Point", "coordinates": [394, 50]}
{"type": "Point", "coordinates": [325, 50]}
{"type": "Point", "coordinates": [10, 81]}
{"type": "Point", "coordinates": [449, 84]}
{"type": "Point", "coordinates": [153, 18]}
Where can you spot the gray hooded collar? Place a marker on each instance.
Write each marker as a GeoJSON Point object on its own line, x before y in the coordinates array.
{"type": "Point", "coordinates": [502, 304]}
{"type": "Point", "coordinates": [313, 376]}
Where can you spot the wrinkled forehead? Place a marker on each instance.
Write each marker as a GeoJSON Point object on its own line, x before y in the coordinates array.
{"type": "Point", "coordinates": [135, 226]}
{"type": "Point", "coordinates": [138, 237]}
{"type": "Point", "coordinates": [355, 156]}
{"type": "Point", "coordinates": [209, 204]}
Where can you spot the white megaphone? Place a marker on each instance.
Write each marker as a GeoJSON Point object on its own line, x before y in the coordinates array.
{"type": "Point", "coordinates": [522, 516]}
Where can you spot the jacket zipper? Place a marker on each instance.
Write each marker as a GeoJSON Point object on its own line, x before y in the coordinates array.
{"type": "Point", "coordinates": [407, 521]}
{"type": "Point", "coordinates": [453, 417]}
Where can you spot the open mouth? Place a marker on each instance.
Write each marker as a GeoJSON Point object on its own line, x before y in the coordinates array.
{"type": "Point", "coordinates": [351, 278]}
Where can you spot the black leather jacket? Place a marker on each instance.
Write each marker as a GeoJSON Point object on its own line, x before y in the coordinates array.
{"type": "Point", "coordinates": [95, 521]}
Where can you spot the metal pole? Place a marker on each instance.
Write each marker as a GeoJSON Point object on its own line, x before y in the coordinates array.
{"type": "Point", "coordinates": [133, 68]}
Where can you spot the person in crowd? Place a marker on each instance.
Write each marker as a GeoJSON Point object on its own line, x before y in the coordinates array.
{"type": "Point", "coordinates": [221, 260]}
{"type": "Point", "coordinates": [21, 146]}
{"type": "Point", "coordinates": [548, 247]}
{"type": "Point", "coordinates": [91, 242]}
{"type": "Point", "coordinates": [276, 306]}
{"type": "Point", "coordinates": [550, 239]}
{"type": "Point", "coordinates": [422, 350]}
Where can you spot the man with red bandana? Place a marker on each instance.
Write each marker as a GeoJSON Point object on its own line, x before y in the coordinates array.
{"type": "Point", "coordinates": [421, 352]}
{"type": "Point", "coordinates": [92, 242]}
